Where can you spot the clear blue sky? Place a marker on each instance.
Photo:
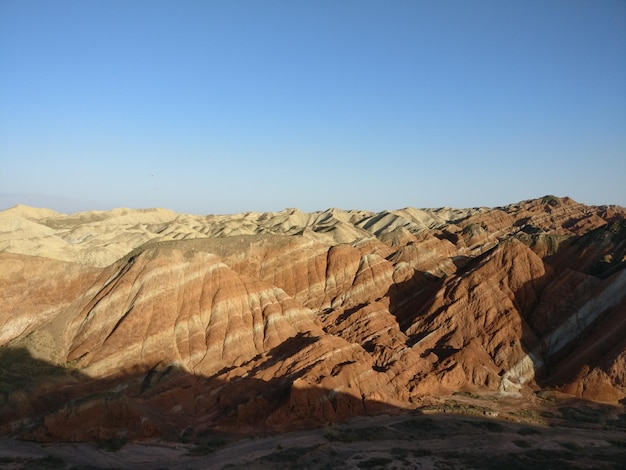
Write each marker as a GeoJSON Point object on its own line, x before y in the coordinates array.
{"type": "Point", "coordinates": [229, 106]}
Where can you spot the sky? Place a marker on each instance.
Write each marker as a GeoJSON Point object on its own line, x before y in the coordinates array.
{"type": "Point", "coordinates": [217, 107]}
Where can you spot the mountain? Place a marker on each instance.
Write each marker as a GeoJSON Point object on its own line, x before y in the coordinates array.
{"type": "Point", "coordinates": [143, 323]}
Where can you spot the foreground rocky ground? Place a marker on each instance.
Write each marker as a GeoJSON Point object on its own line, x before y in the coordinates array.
{"type": "Point", "coordinates": [127, 326]}
{"type": "Point", "coordinates": [462, 431]}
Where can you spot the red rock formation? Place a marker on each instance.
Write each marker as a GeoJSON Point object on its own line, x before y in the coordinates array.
{"type": "Point", "coordinates": [291, 319]}
{"type": "Point", "coordinates": [34, 290]}
{"type": "Point", "coordinates": [166, 305]}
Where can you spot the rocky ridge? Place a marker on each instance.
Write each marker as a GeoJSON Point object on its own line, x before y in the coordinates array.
{"type": "Point", "coordinates": [150, 323]}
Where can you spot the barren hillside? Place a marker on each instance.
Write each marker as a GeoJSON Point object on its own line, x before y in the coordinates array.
{"type": "Point", "coordinates": [150, 323]}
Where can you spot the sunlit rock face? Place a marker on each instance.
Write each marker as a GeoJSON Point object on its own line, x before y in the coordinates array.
{"type": "Point", "coordinates": [151, 322]}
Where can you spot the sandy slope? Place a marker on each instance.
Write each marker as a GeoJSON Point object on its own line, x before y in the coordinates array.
{"type": "Point", "coordinates": [99, 238]}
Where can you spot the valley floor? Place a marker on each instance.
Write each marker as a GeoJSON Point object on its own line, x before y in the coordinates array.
{"type": "Point", "coordinates": [462, 432]}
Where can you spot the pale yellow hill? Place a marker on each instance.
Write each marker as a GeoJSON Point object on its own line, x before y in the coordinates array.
{"type": "Point", "coordinates": [99, 238]}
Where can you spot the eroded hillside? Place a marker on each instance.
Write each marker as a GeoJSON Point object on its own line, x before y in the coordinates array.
{"type": "Point", "coordinates": [150, 323]}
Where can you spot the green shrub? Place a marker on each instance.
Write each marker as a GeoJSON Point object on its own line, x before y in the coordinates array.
{"type": "Point", "coordinates": [207, 446]}
{"type": "Point", "coordinates": [490, 426]}
{"type": "Point", "coordinates": [112, 445]}
{"type": "Point", "coordinates": [375, 462]}
{"type": "Point", "coordinates": [528, 431]}
{"type": "Point", "coordinates": [49, 462]}
{"type": "Point", "coordinates": [582, 414]}
{"type": "Point", "coordinates": [570, 445]}
{"type": "Point", "coordinates": [522, 444]}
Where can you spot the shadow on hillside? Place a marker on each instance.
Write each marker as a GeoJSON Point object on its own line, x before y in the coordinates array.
{"type": "Point", "coordinates": [45, 402]}
{"type": "Point", "coordinates": [409, 300]}
{"type": "Point", "coordinates": [205, 417]}
{"type": "Point", "coordinates": [414, 303]}
{"type": "Point", "coordinates": [20, 374]}
{"type": "Point", "coordinates": [581, 268]}
{"type": "Point", "coordinates": [542, 305]}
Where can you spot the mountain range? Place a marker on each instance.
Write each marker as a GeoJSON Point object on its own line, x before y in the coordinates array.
{"type": "Point", "coordinates": [151, 323]}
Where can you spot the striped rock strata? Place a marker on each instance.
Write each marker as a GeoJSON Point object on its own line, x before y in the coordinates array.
{"type": "Point", "coordinates": [290, 319]}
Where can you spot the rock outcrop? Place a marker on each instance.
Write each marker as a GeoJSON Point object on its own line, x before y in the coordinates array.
{"type": "Point", "coordinates": [148, 323]}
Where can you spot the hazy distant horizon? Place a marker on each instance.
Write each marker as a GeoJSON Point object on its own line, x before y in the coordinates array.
{"type": "Point", "coordinates": [69, 206]}
{"type": "Point", "coordinates": [227, 107]}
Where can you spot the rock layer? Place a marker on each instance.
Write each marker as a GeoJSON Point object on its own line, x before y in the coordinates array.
{"type": "Point", "coordinates": [148, 323]}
